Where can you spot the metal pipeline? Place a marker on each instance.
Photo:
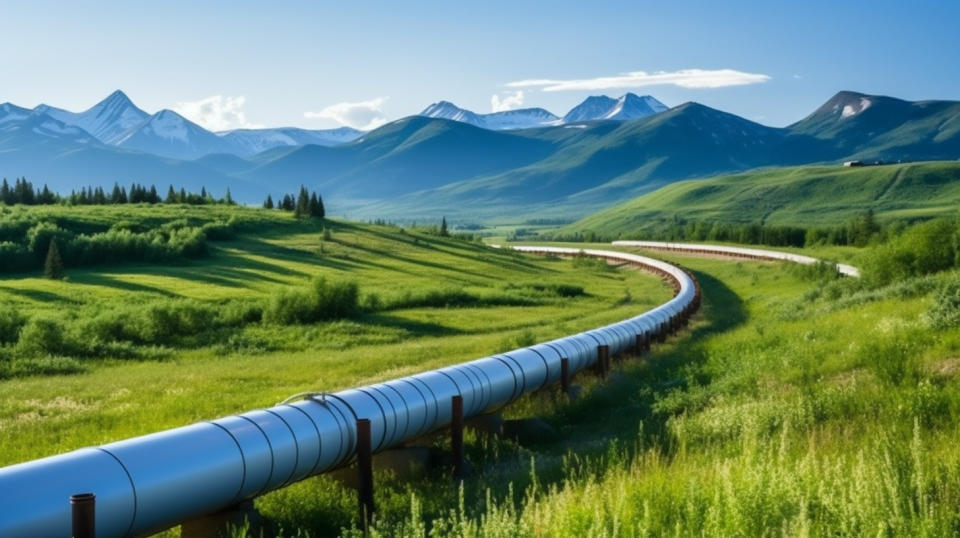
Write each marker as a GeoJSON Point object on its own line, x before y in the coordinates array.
{"type": "Point", "coordinates": [149, 483]}
{"type": "Point", "coordinates": [739, 252]}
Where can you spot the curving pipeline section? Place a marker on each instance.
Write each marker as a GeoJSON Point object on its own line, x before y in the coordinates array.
{"type": "Point", "coordinates": [738, 252]}
{"type": "Point", "coordinates": [153, 482]}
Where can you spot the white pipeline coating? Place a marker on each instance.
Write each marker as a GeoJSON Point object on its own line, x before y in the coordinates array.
{"type": "Point", "coordinates": [843, 269]}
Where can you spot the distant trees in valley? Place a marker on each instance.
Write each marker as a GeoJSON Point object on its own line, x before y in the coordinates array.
{"type": "Point", "coordinates": [304, 204]}
{"type": "Point", "coordinates": [858, 231]}
{"type": "Point", "coordinates": [24, 192]}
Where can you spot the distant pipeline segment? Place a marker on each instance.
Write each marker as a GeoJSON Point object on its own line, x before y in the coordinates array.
{"type": "Point", "coordinates": [736, 252]}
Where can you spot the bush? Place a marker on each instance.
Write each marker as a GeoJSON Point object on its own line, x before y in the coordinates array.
{"type": "Point", "coordinates": [320, 301]}
{"type": "Point", "coordinates": [894, 358]}
{"type": "Point", "coordinates": [10, 324]}
{"type": "Point", "coordinates": [42, 336]}
{"type": "Point", "coordinates": [923, 249]}
{"type": "Point", "coordinates": [945, 311]}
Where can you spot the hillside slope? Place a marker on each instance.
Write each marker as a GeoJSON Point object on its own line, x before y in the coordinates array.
{"type": "Point", "coordinates": [797, 196]}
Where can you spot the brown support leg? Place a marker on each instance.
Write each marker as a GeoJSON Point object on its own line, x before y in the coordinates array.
{"type": "Point", "coordinates": [604, 352]}
{"type": "Point", "coordinates": [456, 435]}
{"type": "Point", "coordinates": [83, 517]}
{"type": "Point", "coordinates": [365, 470]}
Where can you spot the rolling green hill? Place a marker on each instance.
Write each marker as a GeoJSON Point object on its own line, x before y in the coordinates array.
{"type": "Point", "coordinates": [799, 196]}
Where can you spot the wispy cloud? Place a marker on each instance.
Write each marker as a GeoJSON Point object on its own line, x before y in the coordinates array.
{"type": "Point", "coordinates": [684, 78]}
{"type": "Point", "coordinates": [509, 101]}
{"type": "Point", "coordinates": [364, 115]}
{"type": "Point", "coordinates": [217, 112]}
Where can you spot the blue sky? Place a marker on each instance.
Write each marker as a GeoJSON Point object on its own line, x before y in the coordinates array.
{"type": "Point", "coordinates": [229, 64]}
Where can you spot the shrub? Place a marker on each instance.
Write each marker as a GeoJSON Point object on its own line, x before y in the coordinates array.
{"type": "Point", "coordinates": [945, 311]}
{"type": "Point", "coordinates": [11, 322]}
{"type": "Point", "coordinates": [894, 358]}
{"type": "Point", "coordinates": [321, 300]}
{"type": "Point", "coordinates": [42, 336]}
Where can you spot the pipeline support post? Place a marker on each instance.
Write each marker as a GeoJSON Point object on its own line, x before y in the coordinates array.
{"type": "Point", "coordinates": [565, 375]}
{"type": "Point", "coordinates": [83, 515]}
{"type": "Point", "coordinates": [603, 359]}
{"type": "Point", "coordinates": [365, 471]}
{"type": "Point", "coordinates": [456, 435]}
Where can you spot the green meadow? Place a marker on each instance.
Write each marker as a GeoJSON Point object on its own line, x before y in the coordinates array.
{"type": "Point", "coordinates": [795, 403]}
{"type": "Point", "coordinates": [212, 349]}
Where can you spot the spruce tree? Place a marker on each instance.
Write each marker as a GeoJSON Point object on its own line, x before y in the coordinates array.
{"type": "Point", "coordinates": [303, 203]}
{"type": "Point", "coordinates": [228, 199]}
{"type": "Point", "coordinates": [321, 211]}
{"type": "Point", "coordinates": [53, 266]}
{"type": "Point", "coordinates": [171, 196]}
{"type": "Point", "coordinates": [268, 203]}
{"type": "Point", "coordinates": [443, 228]}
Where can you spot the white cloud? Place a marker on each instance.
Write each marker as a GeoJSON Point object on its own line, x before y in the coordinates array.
{"type": "Point", "coordinates": [364, 115]}
{"type": "Point", "coordinates": [684, 78]}
{"type": "Point", "coordinates": [507, 102]}
{"type": "Point", "coordinates": [217, 112]}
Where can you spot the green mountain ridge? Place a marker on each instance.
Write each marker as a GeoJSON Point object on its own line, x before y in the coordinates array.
{"type": "Point", "coordinates": [796, 196]}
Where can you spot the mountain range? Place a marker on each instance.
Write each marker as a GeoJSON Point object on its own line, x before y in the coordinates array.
{"type": "Point", "coordinates": [452, 161]}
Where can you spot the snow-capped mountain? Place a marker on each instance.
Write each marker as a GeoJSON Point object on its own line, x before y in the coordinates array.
{"type": "Point", "coordinates": [109, 120]}
{"type": "Point", "coordinates": [449, 111]}
{"type": "Point", "coordinates": [521, 118]}
{"type": "Point", "coordinates": [116, 121]}
{"type": "Point", "coordinates": [169, 134]}
{"type": "Point", "coordinates": [11, 112]}
{"type": "Point", "coordinates": [36, 127]}
{"type": "Point", "coordinates": [601, 107]}
{"type": "Point", "coordinates": [253, 141]}
{"type": "Point", "coordinates": [631, 106]}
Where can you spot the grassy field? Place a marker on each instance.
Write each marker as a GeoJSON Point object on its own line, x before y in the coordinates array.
{"type": "Point", "coordinates": [498, 300]}
{"type": "Point", "coordinates": [790, 407]}
{"type": "Point", "coordinates": [801, 196]}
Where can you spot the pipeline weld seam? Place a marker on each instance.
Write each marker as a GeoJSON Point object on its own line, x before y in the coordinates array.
{"type": "Point", "coordinates": [269, 447]}
{"type": "Point", "coordinates": [296, 446]}
{"type": "Point", "coordinates": [319, 439]}
{"type": "Point", "coordinates": [133, 488]}
{"type": "Point", "coordinates": [423, 426]}
{"type": "Point", "coordinates": [243, 460]}
{"type": "Point", "coordinates": [383, 414]}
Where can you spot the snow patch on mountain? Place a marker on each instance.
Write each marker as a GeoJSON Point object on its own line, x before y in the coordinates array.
{"type": "Point", "coordinates": [522, 118]}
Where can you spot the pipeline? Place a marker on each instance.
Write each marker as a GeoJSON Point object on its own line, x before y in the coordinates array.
{"type": "Point", "coordinates": [737, 252]}
{"type": "Point", "coordinates": [150, 483]}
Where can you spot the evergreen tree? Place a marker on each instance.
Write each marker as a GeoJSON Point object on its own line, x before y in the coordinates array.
{"type": "Point", "coordinates": [53, 266]}
{"type": "Point", "coordinates": [183, 196]}
{"type": "Point", "coordinates": [171, 196]}
{"type": "Point", "coordinates": [228, 199]}
{"type": "Point", "coordinates": [443, 228]}
{"type": "Point", "coordinates": [154, 197]}
{"type": "Point", "coordinates": [268, 203]}
{"type": "Point", "coordinates": [321, 211]}
{"type": "Point", "coordinates": [115, 195]}
{"type": "Point", "coordinates": [6, 194]}
{"type": "Point", "coordinates": [303, 203]}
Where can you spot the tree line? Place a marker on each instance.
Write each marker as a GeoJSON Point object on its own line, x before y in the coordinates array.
{"type": "Point", "coordinates": [304, 204]}
{"type": "Point", "coordinates": [858, 231]}
{"type": "Point", "coordinates": [24, 192]}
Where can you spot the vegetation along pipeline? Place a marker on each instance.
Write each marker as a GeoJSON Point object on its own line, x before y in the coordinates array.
{"type": "Point", "coordinates": [149, 483]}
